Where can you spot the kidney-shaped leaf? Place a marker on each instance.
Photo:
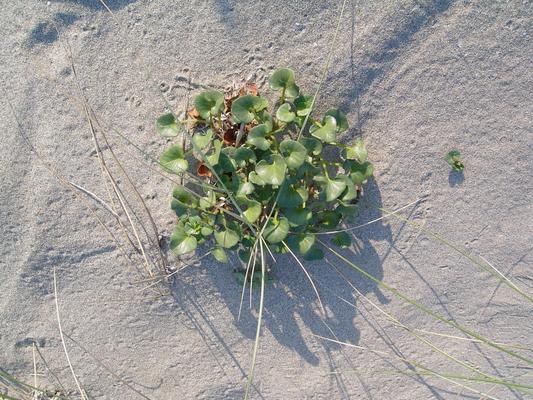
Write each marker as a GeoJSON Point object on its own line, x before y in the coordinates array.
{"type": "Point", "coordinates": [340, 118]}
{"type": "Point", "coordinates": [252, 209]}
{"type": "Point", "coordinates": [272, 172]}
{"type": "Point", "coordinates": [220, 255]}
{"type": "Point", "coordinates": [283, 79]}
{"type": "Point", "coordinates": [293, 152]}
{"type": "Point", "coordinates": [243, 156]}
{"type": "Point", "coordinates": [257, 135]}
{"type": "Point", "coordinates": [227, 238]}
{"type": "Point", "coordinates": [182, 201]}
{"type": "Point", "coordinates": [246, 107]}
{"type": "Point", "coordinates": [276, 231]}
{"type": "Point", "coordinates": [291, 197]}
{"type": "Point", "coordinates": [312, 145]}
{"type": "Point", "coordinates": [285, 113]}
{"type": "Point", "coordinates": [173, 160]}
{"type": "Point", "coordinates": [303, 105]}
{"type": "Point", "coordinates": [327, 132]}
{"type": "Point", "coordinates": [209, 103]}
{"type": "Point", "coordinates": [181, 242]}
{"type": "Point", "coordinates": [168, 126]}
{"type": "Point", "coordinates": [301, 242]}
{"type": "Point", "coordinates": [298, 216]}
{"type": "Point", "coordinates": [202, 141]}
{"type": "Point", "coordinates": [357, 151]}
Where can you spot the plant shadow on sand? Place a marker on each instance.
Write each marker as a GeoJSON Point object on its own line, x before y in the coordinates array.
{"type": "Point", "coordinates": [290, 302]}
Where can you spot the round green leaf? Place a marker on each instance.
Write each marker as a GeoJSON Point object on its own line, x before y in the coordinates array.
{"type": "Point", "coordinates": [359, 172]}
{"type": "Point", "coordinates": [347, 209]}
{"type": "Point", "coordinates": [256, 179]}
{"type": "Point", "coordinates": [276, 231]}
{"type": "Point", "coordinates": [312, 145]}
{"type": "Point", "coordinates": [340, 118]}
{"type": "Point", "coordinates": [246, 107]}
{"type": "Point", "coordinates": [245, 188]}
{"type": "Point", "coordinates": [220, 255]}
{"type": "Point", "coordinates": [453, 159]}
{"type": "Point", "coordinates": [334, 188]}
{"type": "Point", "coordinates": [209, 103]}
{"type": "Point", "coordinates": [272, 172]}
{"type": "Point", "coordinates": [227, 238]}
{"type": "Point", "coordinates": [342, 239]}
{"type": "Point", "coordinates": [181, 242]}
{"type": "Point", "coordinates": [173, 160]}
{"type": "Point", "coordinates": [168, 126]}
{"type": "Point", "coordinates": [202, 141]}
{"type": "Point", "coordinates": [285, 113]}
{"type": "Point", "coordinates": [350, 192]}
{"type": "Point", "coordinates": [327, 132]}
{"type": "Point", "coordinates": [252, 209]}
{"type": "Point", "coordinates": [303, 105]}
{"type": "Point", "coordinates": [293, 152]}
{"type": "Point", "coordinates": [291, 197]}
{"type": "Point", "coordinates": [357, 151]}
{"type": "Point", "coordinates": [244, 155]}
{"type": "Point", "coordinates": [257, 135]}
{"type": "Point", "coordinates": [301, 242]}
{"type": "Point", "coordinates": [330, 219]}
{"type": "Point", "coordinates": [298, 216]}
{"type": "Point", "coordinates": [283, 79]}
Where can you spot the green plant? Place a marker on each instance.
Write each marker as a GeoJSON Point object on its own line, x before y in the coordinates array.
{"type": "Point", "coordinates": [253, 172]}
{"type": "Point", "coordinates": [454, 159]}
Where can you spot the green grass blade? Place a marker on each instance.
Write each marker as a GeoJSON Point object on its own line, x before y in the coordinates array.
{"type": "Point", "coordinates": [426, 310]}
{"type": "Point", "coordinates": [498, 275]}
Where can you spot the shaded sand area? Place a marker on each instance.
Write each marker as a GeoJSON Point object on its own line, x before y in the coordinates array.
{"type": "Point", "coordinates": [415, 78]}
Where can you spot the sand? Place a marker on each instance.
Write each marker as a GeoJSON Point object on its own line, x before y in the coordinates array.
{"type": "Point", "coordinates": [416, 79]}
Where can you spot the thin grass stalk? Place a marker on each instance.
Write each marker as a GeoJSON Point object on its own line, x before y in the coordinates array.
{"type": "Point", "coordinates": [103, 163]}
{"type": "Point", "coordinates": [498, 275]}
{"type": "Point", "coordinates": [106, 368]}
{"type": "Point", "coordinates": [68, 185]}
{"type": "Point", "coordinates": [259, 321]}
{"type": "Point", "coordinates": [428, 371]}
{"type": "Point", "coordinates": [52, 373]}
{"type": "Point", "coordinates": [78, 385]}
{"type": "Point", "coordinates": [411, 331]}
{"type": "Point", "coordinates": [307, 275]}
{"type": "Point", "coordinates": [427, 310]}
{"type": "Point", "coordinates": [324, 71]}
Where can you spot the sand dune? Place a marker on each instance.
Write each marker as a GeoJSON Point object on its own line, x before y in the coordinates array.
{"type": "Point", "coordinates": [416, 79]}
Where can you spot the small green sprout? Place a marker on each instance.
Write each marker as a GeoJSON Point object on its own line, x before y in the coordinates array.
{"type": "Point", "coordinates": [453, 158]}
{"type": "Point", "coordinates": [253, 170]}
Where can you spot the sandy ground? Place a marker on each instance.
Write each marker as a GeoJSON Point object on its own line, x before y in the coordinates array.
{"type": "Point", "coordinates": [416, 78]}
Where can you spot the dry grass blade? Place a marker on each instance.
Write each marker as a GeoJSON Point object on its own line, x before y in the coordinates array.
{"type": "Point", "coordinates": [78, 385]}
{"type": "Point", "coordinates": [67, 184]}
{"type": "Point", "coordinates": [101, 364]}
{"type": "Point", "coordinates": [104, 167]}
